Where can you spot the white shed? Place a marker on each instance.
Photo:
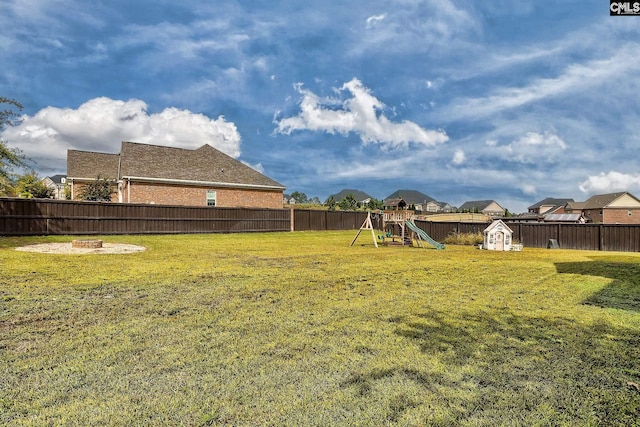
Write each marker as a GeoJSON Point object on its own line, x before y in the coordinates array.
{"type": "Point", "coordinates": [497, 236]}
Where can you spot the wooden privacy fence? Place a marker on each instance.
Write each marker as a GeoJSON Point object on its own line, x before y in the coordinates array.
{"type": "Point", "coordinates": [23, 217]}
{"type": "Point", "coordinates": [598, 237]}
{"type": "Point", "coordinates": [306, 220]}
{"type": "Point", "coordinates": [50, 217]}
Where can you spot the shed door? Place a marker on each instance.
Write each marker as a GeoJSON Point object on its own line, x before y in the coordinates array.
{"type": "Point", "coordinates": [499, 241]}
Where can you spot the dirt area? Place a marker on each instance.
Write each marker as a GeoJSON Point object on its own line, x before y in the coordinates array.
{"type": "Point", "coordinates": [66, 248]}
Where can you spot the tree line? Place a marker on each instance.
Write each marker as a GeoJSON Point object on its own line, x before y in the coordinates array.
{"type": "Point", "coordinates": [348, 203]}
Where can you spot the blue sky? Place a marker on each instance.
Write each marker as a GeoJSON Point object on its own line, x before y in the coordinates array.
{"type": "Point", "coordinates": [462, 100]}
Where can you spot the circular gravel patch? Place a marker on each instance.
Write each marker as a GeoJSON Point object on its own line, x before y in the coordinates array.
{"type": "Point", "coordinates": [66, 248]}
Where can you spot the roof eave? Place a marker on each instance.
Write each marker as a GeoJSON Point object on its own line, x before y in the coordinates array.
{"type": "Point", "coordinates": [205, 183]}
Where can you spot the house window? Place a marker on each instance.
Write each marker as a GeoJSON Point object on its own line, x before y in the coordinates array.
{"type": "Point", "coordinates": [629, 213]}
{"type": "Point", "coordinates": [211, 198]}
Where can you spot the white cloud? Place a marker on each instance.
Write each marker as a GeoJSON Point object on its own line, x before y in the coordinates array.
{"type": "Point", "coordinates": [373, 20]}
{"type": "Point", "coordinates": [459, 157]}
{"type": "Point", "coordinates": [611, 182]}
{"type": "Point", "coordinates": [101, 124]}
{"type": "Point", "coordinates": [359, 114]}
{"type": "Point", "coordinates": [532, 147]}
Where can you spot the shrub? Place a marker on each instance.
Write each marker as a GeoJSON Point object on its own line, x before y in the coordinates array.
{"type": "Point", "coordinates": [464, 238]}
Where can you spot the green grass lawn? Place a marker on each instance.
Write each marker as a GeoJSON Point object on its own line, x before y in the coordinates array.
{"type": "Point", "coordinates": [289, 329]}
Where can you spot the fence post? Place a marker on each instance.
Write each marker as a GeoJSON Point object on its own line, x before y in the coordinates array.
{"type": "Point", "coordinates": [292, 221]}
{"type": "Point", "coordinates": [600, 237]}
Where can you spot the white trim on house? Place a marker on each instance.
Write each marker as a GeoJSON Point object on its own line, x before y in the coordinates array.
{"type": "Point", "coordinates": [188, 182]}
{"type": "Point", "coordinates": [204, 183]}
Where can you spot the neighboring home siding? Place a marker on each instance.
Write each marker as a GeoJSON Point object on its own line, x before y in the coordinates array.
{"type": "Point", "coordinates": [493, 209]}
{"type": "Point", "coordinates": [621, 216]}
{"type": "Point", "coordinates": [162, 194]}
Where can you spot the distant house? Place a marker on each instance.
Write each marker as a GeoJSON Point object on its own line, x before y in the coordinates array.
{"type": "Point", "coordinates": [574, 207]}
{"type": "Point", "coordinates": [487, 207]}
{"type": "Point", "coordinates": [446, 207]}
{"type": "Point", "coordinates": [56, 184]}
{"type": "Point", "coordinates": [613, 208]}
{"type": "Point", "coordinates": [154, 174]}
{"type": "Point", "coordinates": [434, 207]}
{"type": "Point", "coordinates": [411, 197]}
{"type": "Point", "coordinates": [361, 197]}
{"type": "Point", "coordinates": [549, 205]}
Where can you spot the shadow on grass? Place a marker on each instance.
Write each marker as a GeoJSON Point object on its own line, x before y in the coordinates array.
{"type": "Point", "coordinates": [622, 293]}
{"type": "Point", "coordinates": [499, 368]}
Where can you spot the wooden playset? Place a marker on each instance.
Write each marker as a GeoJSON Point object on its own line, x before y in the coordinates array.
{"type": "Point", "coordinates": [396, 229]}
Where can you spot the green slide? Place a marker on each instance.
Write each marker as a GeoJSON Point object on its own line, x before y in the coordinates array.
{"type": "Point", "coordinates": [424, 236]}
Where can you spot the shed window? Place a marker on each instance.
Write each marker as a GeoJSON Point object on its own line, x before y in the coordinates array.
{"type": "Point", "coordinates": [211, 198]}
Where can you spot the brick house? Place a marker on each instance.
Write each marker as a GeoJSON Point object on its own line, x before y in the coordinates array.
{"type": "Point", "coordinates": [549, 205]}
{"type": "Point", "coordinates": [154, 174]}
{"type": "Point", "coordinates": [487, 207]}
{"type": "Point", "coordinates": [56, 184]}
{"type": "Point", "coordinates": [613, 208]}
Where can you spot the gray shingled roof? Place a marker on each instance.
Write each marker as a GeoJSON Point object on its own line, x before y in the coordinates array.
{"type": "Point", "coordinates": [550, 201]}
{"type": "Point", "coordinates": [57, 179]}
{"type": "Point", "coordinates": [575, 205]}
{"type": "Point", "coordinates": [357, 194]}
{"type": "Point", "coordinates": [411, 197]}
{"type": "Point", "coordinates": [90, 165]}
{"type": "Point", "coordinates": [205, 164]}
{"type": "Point", "coordinates": [603, 200]}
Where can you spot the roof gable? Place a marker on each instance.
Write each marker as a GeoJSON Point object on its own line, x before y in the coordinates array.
{"type": "Point", "coordinates": [550, 201]}
{"type": "Point", "coordinates": [90, 165]}
{"type": "Point", "coordinates": [499, 225]}
{"type": "Point", "coordinates": [357, 194]}
{"type": "Point", "coordinates": [480, 205]}
{"type": "Point", "coordinates": [620, 200]}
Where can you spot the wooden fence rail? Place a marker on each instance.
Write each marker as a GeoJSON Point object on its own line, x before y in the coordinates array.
{"type": "Point", "coordinates": [23, 217]}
